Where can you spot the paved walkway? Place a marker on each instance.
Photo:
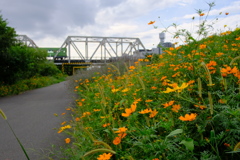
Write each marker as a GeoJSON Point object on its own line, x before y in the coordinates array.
{"type": "Point", "coordinates": [31, 116]}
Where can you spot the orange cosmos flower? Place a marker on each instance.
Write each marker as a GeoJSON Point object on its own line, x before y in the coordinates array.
{"type": "Point", "coordinates": [226, 144]}
{"type": "Point", "coordinates": [77, 119]}
{"type": "Point", "coordinates": [153, 113]}
{"type": "Point", "coordinates": [151, 22]}
{"type": "Point", "coordinates": [63, 123]}
{"type": "Point", "coordinates": [211, 63]}
{"type": "Point", "coordinates": [200, 106]}
{"type": "Point", "coordinates": [190, 82]}
{"type": "Point", "coordinates": [128, 112]}
{"type": "Point", "coordinates": [145, 111]}
{"type": "Point", "coordinates": [134, 106]}
{"type": "Point", "coordinates": [219, 54]}
{"type": "Point", "coordinates": [122, 135]}
{"type": "Point", "coordinates": [229, 70]}
{"type": "Point", "coordinates": [153, 87]}
{"type": "Point", "coordinates": [223, 101]}
{"type": "Point", "coordinates": [201, 14]}
{"type": "Point", "coordinates": [121, 130]}
{"type": "Point", "coordinates": [80, 104]}
{"type": "Point", "coordinates": [132, 67]}
{"type": "Point", "coordinates": [202, 46]}
{"type": "Point", "coordinates": [174, 85]}
{"type": "Point", "coordinates": [67, 140]}
{"type": "Point", "coordinates": [226, 13]}
{"type": "Point", "coordinates": [104, 156]}
{"type": "Point", "coordinates": [117, 140]}
{"type": "Point", "coordinates": [188, 117]}
{"type": "Point", "coordinates": [107, 124]}
{"type": "Point", "coordinates": [176, 74]}
{"type": "Point", "coordinates": [148, 100]}
{"type": "Point", "coordinates": [176, 107]}
{"type": "Point", "coordinates": [234, 70]}
{"type": "Point", "coordinates": [168, 104]}
{"type": "Point", "coordinates": [164, 77]}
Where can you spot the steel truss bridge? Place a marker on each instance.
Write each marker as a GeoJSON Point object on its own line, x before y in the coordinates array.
{"type": "Point", "coordinates": [93, 48]}
{"type": "Point", "coordinates": [27, 41]}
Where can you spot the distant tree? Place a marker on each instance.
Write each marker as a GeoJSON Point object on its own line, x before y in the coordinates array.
{"type": "Point", "coordinates": [17, 61]}
{"type": "Point", "coordinates": [7, 39]}
{"type": "Point", "coordinates": [7, 36]}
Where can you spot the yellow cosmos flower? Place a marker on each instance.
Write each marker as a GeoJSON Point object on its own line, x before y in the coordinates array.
{"type": "Point", "coordinates": [178, 89]}
{"type": "Point", "coordinates": [125, 90]}
{"type": "Point", "coordinates": [115, 90]}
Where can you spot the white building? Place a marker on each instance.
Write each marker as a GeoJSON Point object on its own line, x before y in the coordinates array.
{"type": "Point", "coordinates": [141, 53]}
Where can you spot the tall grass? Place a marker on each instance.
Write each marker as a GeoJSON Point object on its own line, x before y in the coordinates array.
{"type": "Point", "coordinates": [183, 104]}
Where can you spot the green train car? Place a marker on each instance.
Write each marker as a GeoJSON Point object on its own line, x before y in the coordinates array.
{"type": "Point", "coordinates": [52, 51]}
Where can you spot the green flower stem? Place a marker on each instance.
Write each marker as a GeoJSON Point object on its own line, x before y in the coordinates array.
{"type": "Point", "coordinates": [18, 141]}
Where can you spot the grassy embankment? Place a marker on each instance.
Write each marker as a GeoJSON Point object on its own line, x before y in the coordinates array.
{"type": "Point", "coordinates": [185, 105]}
{"type": "Point", "coordinates": [29, 84]}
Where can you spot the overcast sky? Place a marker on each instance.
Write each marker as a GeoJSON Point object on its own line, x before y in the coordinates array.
{"type": "Point", "coordinates": [49, 23]}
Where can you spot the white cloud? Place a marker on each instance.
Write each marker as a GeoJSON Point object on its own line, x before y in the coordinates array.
{"type": "Point", "coordinates": [50, 25]}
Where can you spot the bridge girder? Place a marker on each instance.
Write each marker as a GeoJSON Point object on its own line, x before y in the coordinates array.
{"type": "Point", "coordinates": [109, 46]}
{"type": "Point", "coordinates": [27, 41]}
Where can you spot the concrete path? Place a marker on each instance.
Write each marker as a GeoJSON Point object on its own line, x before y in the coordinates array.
{"type": "Point", "coordinates": [31, 115]}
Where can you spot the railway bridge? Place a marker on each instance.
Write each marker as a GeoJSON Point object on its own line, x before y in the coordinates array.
{"type": "Point", "coordinates": [82, 51]}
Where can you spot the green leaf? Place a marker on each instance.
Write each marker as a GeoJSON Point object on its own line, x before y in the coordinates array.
{"type": "Point", "coordinates": [107, 131]}
{"type": "Point", "coordinates": [177, 131]}
{"type": "Point", "coordinates": [188, 143]}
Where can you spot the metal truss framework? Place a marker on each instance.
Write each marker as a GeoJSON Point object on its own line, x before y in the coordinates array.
{"type": "Point", "coordinates": [108, 47]}
{"type": "Point", "coordinates": [27, 41]}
